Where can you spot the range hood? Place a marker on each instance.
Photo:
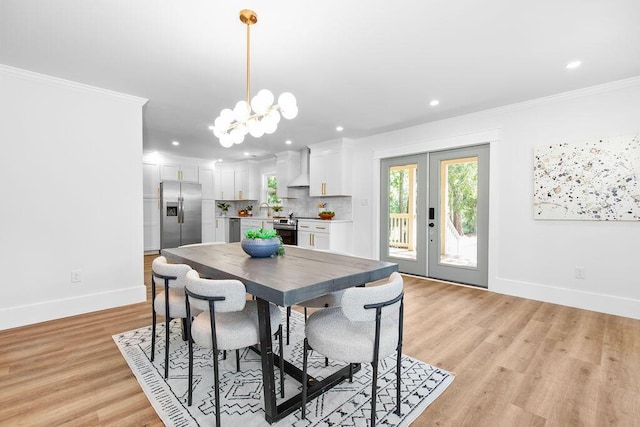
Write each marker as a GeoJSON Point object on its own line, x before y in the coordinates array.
{"type": "Point", "coordinates": [302, 180]}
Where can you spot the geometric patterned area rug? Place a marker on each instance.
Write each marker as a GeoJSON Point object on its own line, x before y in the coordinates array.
{"type": "Point", "coordinates": [347, 404]}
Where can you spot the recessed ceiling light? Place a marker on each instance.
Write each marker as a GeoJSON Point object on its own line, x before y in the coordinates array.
{"type": "Point", "coordinates": [339, 128]}
{"type": "Point", "coordinates": [573, 64]}
{"type": "Point", "coordinates": [434, 102]}
{"type": "Point", "coordinates": [245, 153]}
{"type": "Point", "coordinates": [288, 142]}
{"type": "Point", "coordinates": [220, 160]}
{"type": "Point", "coordinates": [175, 143]}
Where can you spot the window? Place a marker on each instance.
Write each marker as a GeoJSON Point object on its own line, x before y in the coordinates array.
{"type": "Point", "coordinates": [272, 190]}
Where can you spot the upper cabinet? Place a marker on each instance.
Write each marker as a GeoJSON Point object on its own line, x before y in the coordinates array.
{"type": "Point", "coordinates": [330, 168]}
{"type": "Point", "coordinates": [237, 182]}
{"type": "Point", "coordinates": [287, 168]}
{"type": "Point", "coordinates": [173, 172]}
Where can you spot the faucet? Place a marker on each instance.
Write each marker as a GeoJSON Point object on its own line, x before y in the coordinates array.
{"type": "Point", "coordinates": [264, 204]}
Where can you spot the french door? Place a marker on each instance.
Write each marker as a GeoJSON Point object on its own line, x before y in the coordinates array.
{"type": "Point", "coordinates": [458, 215]}
{"type": "Point", "coordinates": [403, 204]}
{"type": "Point", "coordinates": [434, 214]}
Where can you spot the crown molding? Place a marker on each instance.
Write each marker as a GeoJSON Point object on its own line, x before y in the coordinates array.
{"type": "Point", "coordinates": [562, 96]}
{"type": "Point", "coordinates": [26, 74]}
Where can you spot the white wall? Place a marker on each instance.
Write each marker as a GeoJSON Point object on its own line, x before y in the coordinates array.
{"type": "Point", "coordinates": [71, 178]}
{"type": "Point", "coordinates": [530, 258]}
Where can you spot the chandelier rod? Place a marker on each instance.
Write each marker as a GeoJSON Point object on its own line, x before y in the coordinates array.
{"type": "Point", "coordinates": [248, 60]}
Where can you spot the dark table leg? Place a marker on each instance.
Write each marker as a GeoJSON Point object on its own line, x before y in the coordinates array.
{"type": "Point", "coordinates": [266, 355]}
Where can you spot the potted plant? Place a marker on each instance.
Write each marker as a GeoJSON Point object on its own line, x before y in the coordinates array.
{"type": "Point", "coordinates": [262, 243]}
{"type": "Point", "coordinates": [224, 207]}
{"type": "Point", "coordinates": [249, 210]}
{"type": "Point", "coordinates": [276, 210]}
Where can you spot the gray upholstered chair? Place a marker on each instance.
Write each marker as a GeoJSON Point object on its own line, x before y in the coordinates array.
{"type": "Point", "coordinates": [171, 300]}
{"type": "Point", "coordinates": [366, 327]}
{"type": "Point", "coordinates": [227, 321]}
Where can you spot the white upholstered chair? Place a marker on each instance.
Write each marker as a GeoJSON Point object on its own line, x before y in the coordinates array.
{"type": "Point", "coordinates": [171, 300]}
{"type": "Point", "coordinates": [366, 327]}
{"type": "Point", "coordinates": [227, 321]}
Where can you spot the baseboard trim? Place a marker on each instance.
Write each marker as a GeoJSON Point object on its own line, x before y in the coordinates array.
{"type": "Point", "coordinates": [609, 304]}
{"type": "Point", "coordinates": [13, 317]}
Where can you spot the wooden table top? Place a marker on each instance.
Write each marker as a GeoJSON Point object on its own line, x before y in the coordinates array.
{"type": "Point", "coordinates": [299, 275]}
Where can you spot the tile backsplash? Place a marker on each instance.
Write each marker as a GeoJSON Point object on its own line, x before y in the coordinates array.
{"type": "Point", "coordinates": [305, 206]}
{"type": "Point", "coordinates": [300, 204]}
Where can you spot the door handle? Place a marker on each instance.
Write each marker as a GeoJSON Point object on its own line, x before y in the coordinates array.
{"type": "Point", "coordinates": [431, 224]}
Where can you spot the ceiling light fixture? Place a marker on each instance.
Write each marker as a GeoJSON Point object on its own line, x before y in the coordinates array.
{"type": "Point", "coordinates": [339, 128]}
{"type": "Point", "coordinates": [288, 142]}
{"type": "Point", "coordinates": [573, 64]}
{"type": "Point", "coordinates": [231, 126]}
{"type": "Point", "coordinates": [434, 102]}
{"type": "Point", "coordinates": [176, 143]}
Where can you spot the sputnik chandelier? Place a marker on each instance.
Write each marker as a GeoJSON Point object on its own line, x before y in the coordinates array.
{"type": "Point", "coordinates": [231, 126]}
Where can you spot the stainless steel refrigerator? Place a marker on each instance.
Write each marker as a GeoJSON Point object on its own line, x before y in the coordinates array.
{"type": "Point", "coordinates": [181, 216]}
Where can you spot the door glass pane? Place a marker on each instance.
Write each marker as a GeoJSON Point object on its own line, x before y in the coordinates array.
{"type": "Point", "coordinates": [402, 211]}
{"type": "Point", "coordinates": [458, 216]}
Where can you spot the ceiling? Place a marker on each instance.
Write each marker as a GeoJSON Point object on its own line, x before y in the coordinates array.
{"type": "Point", "coordinates": [370, 66]}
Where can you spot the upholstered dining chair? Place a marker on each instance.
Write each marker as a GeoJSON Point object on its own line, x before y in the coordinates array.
{"type": "Point", "coordinates": [331, 299]}
{"type": "Point", "coordinates": [227, 321]}
{"type": "Point", "coordinates": [366, 327]}
{"type": "Point", "coordinates": [169, 303]}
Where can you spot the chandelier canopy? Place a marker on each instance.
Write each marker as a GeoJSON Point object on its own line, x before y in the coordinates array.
{"type": "Point", "coordinates": [258, 115]}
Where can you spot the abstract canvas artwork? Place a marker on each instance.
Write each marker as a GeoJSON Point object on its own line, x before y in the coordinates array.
{"type": "Point", "coordinates": [594, 180]}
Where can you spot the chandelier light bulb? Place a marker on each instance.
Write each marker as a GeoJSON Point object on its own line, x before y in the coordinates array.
{"type": "Point", "coordinates": [262, 101]}
{"type": "Point", "coordinates": [255, 127]}
{"type": "Point", "coordinates": [226, 141]}
{"type": "Point", "coordinates": [289, 113]}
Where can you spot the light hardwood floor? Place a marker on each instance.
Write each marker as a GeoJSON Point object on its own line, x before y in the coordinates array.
{"type": "Point", "coordinates": [517, 363]}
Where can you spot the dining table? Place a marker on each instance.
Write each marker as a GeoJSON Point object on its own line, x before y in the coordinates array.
{"type": "Point", "coordinates": [299, 275]}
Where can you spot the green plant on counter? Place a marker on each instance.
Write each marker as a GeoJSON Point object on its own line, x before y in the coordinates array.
{"type": "Point", "coordinates": [224, 207]}
{"type": "Point", "coordinates": [260, 233]}
{"type": "Point", "coordinates": [328, 213]}
{"type": "Point", "coordinates": [249, 208]}
{"type": "Point", "coordinates": [276, 208]}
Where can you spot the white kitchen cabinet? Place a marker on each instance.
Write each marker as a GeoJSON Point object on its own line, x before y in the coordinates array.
{"type": "Point", "coordinates": [225, 189]}
{"type": "Point", "coordinates": [208, 221]}
{"type": "Point", "coordinates": [151, 222]}
{"type": "Point", "coordinates": [206, 179]}
{"type": "Point", "coordinates": [174, 172]}
{"type": "Point", "coordinates": [241, 180]}
{"type": "Point", "coordinates": [330, 168]}
{"type": "Point", "coordinates": [325, 235]}
{"type": "Point", "coordinates": [222, 230]}
{"type": "Point", "coordinates": [237, 182]}
{"type": "Point", "coordinates": [150, 181]}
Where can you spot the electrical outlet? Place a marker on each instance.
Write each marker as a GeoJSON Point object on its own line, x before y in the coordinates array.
{"type": "Point", "coordinates": [581, 273]}
{"type": "Point", "coordinates": [76, 276]}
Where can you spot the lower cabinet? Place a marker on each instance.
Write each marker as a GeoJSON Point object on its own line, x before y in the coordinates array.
{"type": "Point", "coordinates": [325, 235]}
{"type": "Point", "coordinates": [222, 230]}
{"type": "Point", "coordinates": [208, 221]}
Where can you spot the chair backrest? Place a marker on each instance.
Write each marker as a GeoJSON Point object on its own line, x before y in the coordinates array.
{"type": "Point", "coordinates": [233, 292]}
{"type": "Point", "coordinates": [354, 300]}
{"type": "Point", "coordinates": [160, 266]}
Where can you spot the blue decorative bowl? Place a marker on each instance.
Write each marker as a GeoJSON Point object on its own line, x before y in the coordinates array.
{"type": "Point", "coordinates": [260, 248]}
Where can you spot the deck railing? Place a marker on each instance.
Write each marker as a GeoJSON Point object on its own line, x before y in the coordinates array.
{"type": "Point", "coordinates": [401, 231]}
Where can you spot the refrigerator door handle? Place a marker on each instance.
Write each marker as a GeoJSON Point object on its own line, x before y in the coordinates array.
{"type": "Point", "coordinates": [180, 210]}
